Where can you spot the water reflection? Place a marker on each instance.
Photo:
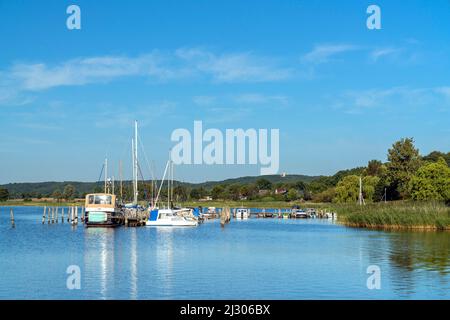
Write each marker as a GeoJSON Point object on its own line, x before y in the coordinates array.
{"type": "Point", "coordinates": [415, 250]}
{"type": "Point", "coordinates": [133, 264]}
{"type": "Point", "coordinates": [99, 259]}
{"type": "Point", "coordinates": [416, 258]}
{"type": "Point", "coordinates": [164, 259]}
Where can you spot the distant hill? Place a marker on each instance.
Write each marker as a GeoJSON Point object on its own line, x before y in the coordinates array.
{"type": "Point", "coordinates": [47, 188]}
{"type": "Point", "coordinates": [252, 179]}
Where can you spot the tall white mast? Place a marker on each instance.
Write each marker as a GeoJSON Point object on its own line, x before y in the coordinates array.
{"type": "Point", "coordinates": [135, 164]}
{"type": "Point", "coordinates": [132, 160]}
{"type": "Point", "coordinates": [106, 174]}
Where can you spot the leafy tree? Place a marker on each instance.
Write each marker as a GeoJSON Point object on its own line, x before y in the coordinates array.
{"type": "Point", "coordinates": [217, 191]}
{"type": "Point", "coordinates": [300, 186]}
{"type": "Point", "coordinates": [320, 184]}
{"type": "Point", "coordinates": [292, 195]}
{"type": "Point", "coordinates": [234, 191]}
{"type": "Point", "coordinates": [374, 168]}
{"type": "Point", "coordinates": [197, 193]}
{"type": "Point", "coordinates": [369, 184]}
{"type": "Point", "coordinates": [180, 193]}
{"type": "Point", "coordinates": [325, 196]}
{"type": "Point", "coordinates": [263, 184]}
{"type": "Point", "coordinates": [347, 190]}
{"type": "Point", "coordinates": [404, 160]}
{"type": "Point", "coordinates": [435, 155]}
{"type": "Point", "coordinates": [4, 194]}
{"type": "Point", "coordinates": [432, 182]}
{"type": "Point", "coordinates": [57, 195]}
{"type": "Point", "coordinates": [69, 192]}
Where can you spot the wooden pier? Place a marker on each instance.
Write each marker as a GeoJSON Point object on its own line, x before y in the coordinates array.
{"type": "Point", "coordinates": [134, 218]}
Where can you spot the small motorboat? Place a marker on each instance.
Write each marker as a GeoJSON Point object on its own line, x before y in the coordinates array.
{"type": "Point", "coordinates": [242, 213]}
{"type": "Point", "coordinates": [169, 218]}
{"type": "Point", "coordinates": [299, 214]}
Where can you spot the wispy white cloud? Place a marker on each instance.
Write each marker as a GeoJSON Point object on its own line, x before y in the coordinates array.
{"type": "Point", "coordinates": [180, 64]}
{"type": "Point", "coordinates": [379, 53]}
{"type": "Point", "coordinates": [396, 98]}
{"type": "Point", "coordinates": [257, 98]}
{"type": "Point", "coordinates": [236, 67]}
{"type": "Point", "coordinates": [204, 100]}
{"type": "Point", "coordinates": [122, 116]}
{"type": "Point", "coordinates": [325, 52]}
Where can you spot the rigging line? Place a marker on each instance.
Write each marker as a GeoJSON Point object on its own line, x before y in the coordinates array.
{"type": "Point", "coordinates": [143, 180]}
{"type": "Point", "coordinates": [101, 172]}
{"type": "Point", "coordinates": [146, 158]}
{"type": "Point", "coordinates": [160, 187]}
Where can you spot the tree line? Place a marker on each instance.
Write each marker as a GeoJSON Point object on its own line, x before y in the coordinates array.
{"type": "Point", "coordinates": [405, 175]}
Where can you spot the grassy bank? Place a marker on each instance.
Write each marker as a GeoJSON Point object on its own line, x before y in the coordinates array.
{"type": "Point", "coordinates": [395, 215]}
{"type": "Point", "coordinates": [15, 203]}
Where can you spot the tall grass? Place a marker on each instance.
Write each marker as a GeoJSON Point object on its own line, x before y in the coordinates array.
{"type": "Point", "coordinates": [396, 215]}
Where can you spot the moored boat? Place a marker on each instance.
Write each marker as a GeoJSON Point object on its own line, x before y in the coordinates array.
{"type": "Point", "coordinates": [242, 213]}
{"type": "Point", "coordinates": [101, 210]}
{"type": "Point", "coordinates": [169, 218]}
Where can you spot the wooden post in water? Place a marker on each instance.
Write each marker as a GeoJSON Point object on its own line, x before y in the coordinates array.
{"type": "Point", "coordinates": [76, 215]}
{"type": "Point", "coordinates": [82, 214]}
{"type": "Point", "coordinates": [71, 215]}
{"type": "Point", "coordinates": [11, 213]}
{"type": "Point", "coordinates": [43, 215]}
{"type": "Point", "coordinates": [62, 215]}
{"type": "Point", "coordinates": [53, 215]}
{"type": "Point", "coordinates": [56, 215]}
{"type": "Point", "coordinates": [224, 216]}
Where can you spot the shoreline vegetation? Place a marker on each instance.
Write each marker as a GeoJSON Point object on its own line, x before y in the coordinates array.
{"type": "Point", "coordinates": [408, 191]}
{"type": "Point", "coordinates": [395, 215]}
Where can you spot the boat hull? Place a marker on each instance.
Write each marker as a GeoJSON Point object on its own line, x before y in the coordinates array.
{"type": "Point", "coordinates": [171, 223]}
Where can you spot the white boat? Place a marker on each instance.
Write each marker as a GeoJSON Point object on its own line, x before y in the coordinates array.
{"type": "Point", "coordinates": [169, 218]}
{"type": "Point", "coordinates": [242, 213]}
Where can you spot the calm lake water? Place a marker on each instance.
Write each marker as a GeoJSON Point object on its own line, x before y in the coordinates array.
{"type": "Point", "coordinates": [253, 259]}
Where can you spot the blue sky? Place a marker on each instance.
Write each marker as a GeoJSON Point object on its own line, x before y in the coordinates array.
{"type": "Point", "coordinates": [339, 93]}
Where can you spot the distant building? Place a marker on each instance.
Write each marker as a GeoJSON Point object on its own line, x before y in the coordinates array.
{"type": "Point", "coordinates": [281, 191]}
{"type": "Point", "coordinates": [263, 192]}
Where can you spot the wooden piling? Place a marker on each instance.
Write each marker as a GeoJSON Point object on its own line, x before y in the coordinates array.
{"type": "Point", "coordinates": [71, 215]}
{"type": "Point", "coordinates": [53, 215]}
{"type": "Point", "coordinates": [76, 215]}
{"type": "Point", "coordinates": [62, 215]}
{"type": "Point", "coordinates": [56, 214]}
{"type": "Point", "coordinates": [11, 213]}
{"type": "Point", "coordinates": [43, 215]}
{"type": "Point", "coordinates": [225, 216]}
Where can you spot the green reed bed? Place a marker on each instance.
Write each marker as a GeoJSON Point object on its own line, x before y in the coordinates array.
{"type": "Point", "coordinates": [398, 215]}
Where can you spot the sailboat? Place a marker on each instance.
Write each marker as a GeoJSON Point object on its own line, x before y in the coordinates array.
{"type": "Point", "coordinates": [169, 217]}
{"type": "Point", "coordinates": [101, 209]}
{"type": "Point", "coordinates": [133, 209]}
